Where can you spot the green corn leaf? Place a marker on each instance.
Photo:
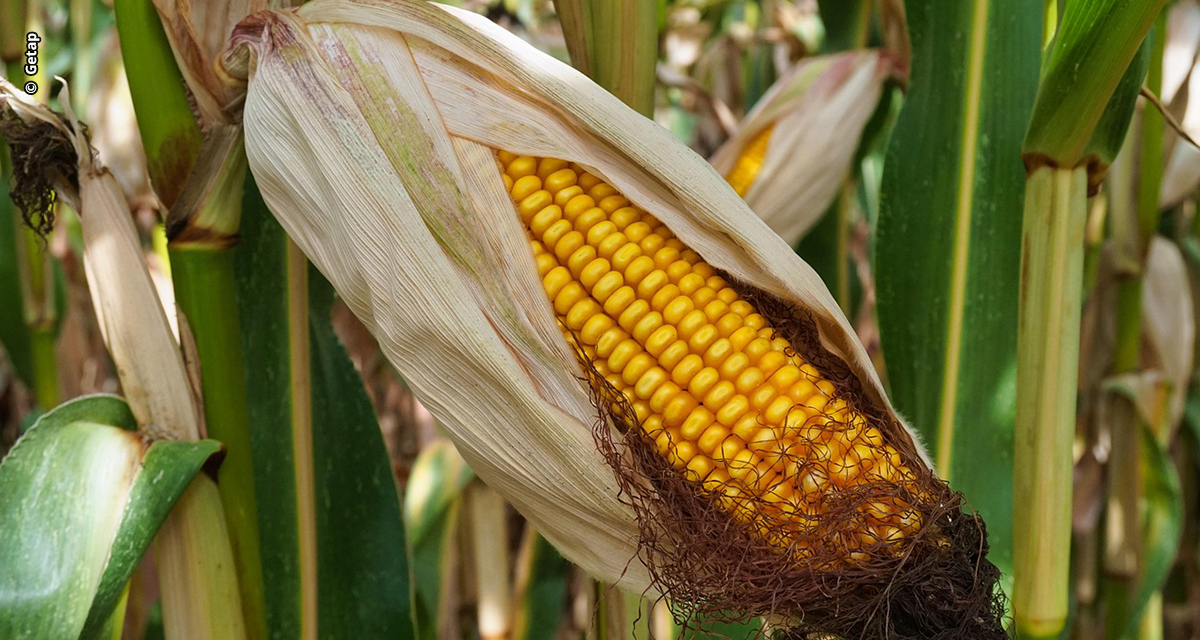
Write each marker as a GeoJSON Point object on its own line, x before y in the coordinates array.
{"type": "Point", "coordinates": [1094, 46]}
{"type": "Point", "coordinates": [81, 497]}
{"type": "Point", "coordinates": [947, 243]}
{"type": "Point", "coordinates": [431, 508]}
{"type": "Point", "coordinates": [1114, 122]}
{"type": "Point", "coordinates": [542, 598]}
{"type": "Point", "coordinates": [332, 536]}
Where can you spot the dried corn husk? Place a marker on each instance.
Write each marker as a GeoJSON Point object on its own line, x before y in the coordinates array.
{"type": "Point", "coordinates": [370, 128]}
{"type": "Point", "coordinates": [198, 32]}
{"type": "Point", "coordinates": [1181, 90]}
{"type": "Point", "coordinates": [816, 114]}
{"type": "Point", "coordinates": [132, 322]}
{"type": "Point", "coordinates": [193, 555]}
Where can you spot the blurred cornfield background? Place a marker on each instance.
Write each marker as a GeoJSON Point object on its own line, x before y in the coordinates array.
{"type": "Point", "coordinates": [909, 120]}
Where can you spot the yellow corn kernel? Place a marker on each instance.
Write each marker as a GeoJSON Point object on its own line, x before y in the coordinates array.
{"type": "Point", "coordinates": [748, 165]}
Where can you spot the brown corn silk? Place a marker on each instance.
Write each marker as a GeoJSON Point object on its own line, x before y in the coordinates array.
{"type": "Point", "coordinates": [721, 414]}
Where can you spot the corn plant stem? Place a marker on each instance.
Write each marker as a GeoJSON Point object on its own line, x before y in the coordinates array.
{"type": "Point", "coordinates": [615, 42]}
{"type": "Point", "coordinates": [170, 134]}
{"type": "Point", "coordinates": [81, 43]}
{"type": "Point", "coordinates": [35, 23]}
{"type": "Point", "coordinates": [611, 621]}
{"type": "Point", "coordinates": [204, 282]}
{"type": "Point", "coordinates": [577, 28]}
{"type": "Point", "coordinates": [45, 366]}
{"type": "Point", "coordinates": [13, 331]}
{"type": "Point", "coordinates": [1123, 528]}
{"type": "Point", "coordinates": [638, 610]}
{"type": "Point", "coordinates": [489, 544]}
{"type": "Point", "coordinates": [1047, 371]}
{"type": "Point", "coordinates": [41, 314]}
{"type": "Point", "coordinates": [36, 281]}
{"type": "Point", "coordinates": [12, 30]}
{"type": "Point", "coordinates": [199, 589]}
{"type": "Point", "coordinates": [862, 30]}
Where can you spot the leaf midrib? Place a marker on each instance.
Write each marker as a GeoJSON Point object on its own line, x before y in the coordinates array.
{"type": "Point", "coordinates": [962, 237]}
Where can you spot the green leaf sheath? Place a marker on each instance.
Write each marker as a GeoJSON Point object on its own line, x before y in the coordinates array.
{"type": "Point", "coordinates": [83, 497]}
{"type": "Point", "coordinates": [14, 335]}
{"type": "Point", "coordinates": [615, 42]}
{"type": "Point", "coordinates": [1090, 53]}
{"type": "Point", "coordinates": [543, 601]}
{"type": "Point", "coordinates": [170, 135]}
{"type": "Point", "coordinates": [1047, 377]}
{"type": "Point", "coordinates": [847, 24]}
{"type": "Point", "coordinates": [947, 243]}
{"type": "Point", "coordinates": [205, 290]}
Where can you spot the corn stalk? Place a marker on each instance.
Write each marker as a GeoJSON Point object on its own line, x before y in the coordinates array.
{"type": "Point", "coordinates": [1078, 122]}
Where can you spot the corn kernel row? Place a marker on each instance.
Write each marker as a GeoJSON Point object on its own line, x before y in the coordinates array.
{"type": "Point", "coordinates": [727, 402]}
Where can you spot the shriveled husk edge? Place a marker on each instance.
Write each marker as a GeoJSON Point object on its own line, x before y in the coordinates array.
{"type": "Point", "coordinates": [130, 316]}
{"type": "Point", "coordinates": [818, 111]}
{"type": "Point", "coordinates": [522, 421]}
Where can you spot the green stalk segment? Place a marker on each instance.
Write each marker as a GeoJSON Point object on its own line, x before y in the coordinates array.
{"type": "Point", "coordinates": [81, 41]}
{"type": "Point", "coordinates": [170, 134]}
{"type": "Point", "coordinates": [12, 30]}
{"type": "Point", "coordinates": [45, 365]}
{"type": "Point", "coordinates": [195, 562]}
{"type": "Point", "coordinates": [29, 321]}
{"type": "Point", "coordinates": [36, 276]}
{"type": "Point", "coordinates": [201, 232]}
{"type": "Point", "coordinates": [204, 290]}
{"type": "Point", "coordinates": [615, 42]}
{"type": "Point", "coordinates": [1047, 370]}
{"type": "Point", "coordinates": [14, 335]}
{"type": "Point", "coordinates": [1092, 48]}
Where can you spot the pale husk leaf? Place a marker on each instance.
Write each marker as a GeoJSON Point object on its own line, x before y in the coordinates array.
{"type": "Point", "coordinates": [198, 32]}
{"type": "Point", "coordinates": [130, 316]}
{"type": "Point", "coordinates": [1168, 321]}
{"type": "Point", "coordinates": [1181, 175]}
{"type": "Point", "coordinates": [818, 112]}
{"type": "Point", "coordinates": [376, 157]}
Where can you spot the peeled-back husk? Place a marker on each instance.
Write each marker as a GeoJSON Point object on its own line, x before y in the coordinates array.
{"type": "Point", "coordinates": [369, 129]}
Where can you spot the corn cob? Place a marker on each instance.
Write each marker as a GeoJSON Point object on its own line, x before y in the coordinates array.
{"type": "Point", "coordinates": [732, 406]}
{"type": "Point", "coordinates": [750, 162]}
